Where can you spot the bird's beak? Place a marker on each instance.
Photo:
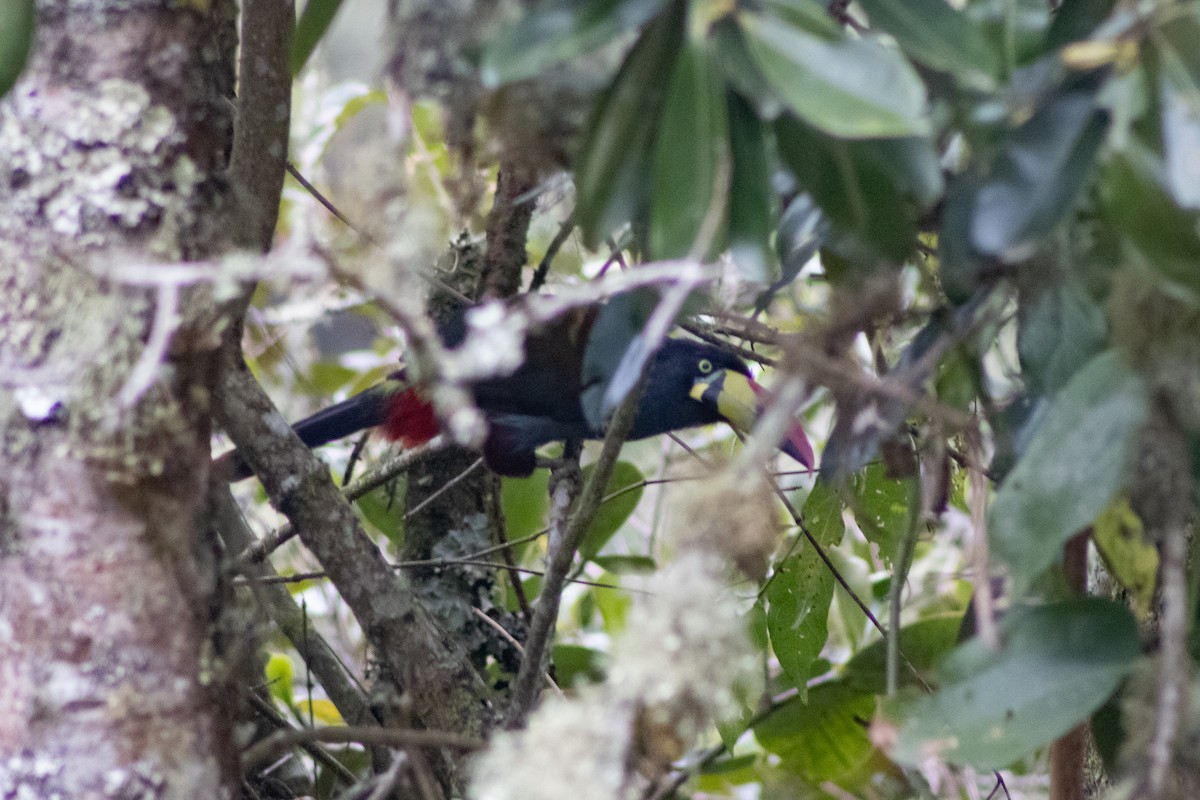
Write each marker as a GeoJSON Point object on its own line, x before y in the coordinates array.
{"type": "Point", "coordinates": [741, 402]}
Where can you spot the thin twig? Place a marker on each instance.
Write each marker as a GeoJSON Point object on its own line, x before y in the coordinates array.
{"type": "Point", "coordinates": [372, 480]}
{"type": "Point", "coordinates": [524, 692]}
{"type": "Point", "coordinates": [543, 268]}
{"type": "Point", "coordinates": [318, 753]}
{"type": "Point", "coordinates": [476, 464]}
{"type": "Point", "coordinates": [280, 742]}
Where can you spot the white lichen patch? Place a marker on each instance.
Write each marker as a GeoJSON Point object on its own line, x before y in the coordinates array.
{"type": "Point", "coordinates": [687, 660]}
{"type": "Point", "coordinates": [494, 345]}
{"type": "Point", "coordinates": [576, 749]}
{"type": "Point", "coordinates": [95, 177]}
{"type": "Point", "coordinates": [84, 164]}
{"type": "Point", "coordinates": [683, 665]}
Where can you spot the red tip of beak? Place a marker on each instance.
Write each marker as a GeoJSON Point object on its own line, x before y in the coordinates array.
{"type": "Point", "coordinates": [795, 443]}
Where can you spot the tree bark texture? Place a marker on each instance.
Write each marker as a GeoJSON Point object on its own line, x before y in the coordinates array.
{"type": "Point", "coordinates": [112, 147]}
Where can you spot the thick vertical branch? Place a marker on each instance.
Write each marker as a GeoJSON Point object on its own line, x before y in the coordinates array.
{"type": "Point", "coordinates": [445, 693]}
{"type": "Point", "coordinates": [111, 150]}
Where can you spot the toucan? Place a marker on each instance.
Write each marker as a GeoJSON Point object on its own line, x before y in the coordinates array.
{"type": "Point", "coordinates": [558, 393]}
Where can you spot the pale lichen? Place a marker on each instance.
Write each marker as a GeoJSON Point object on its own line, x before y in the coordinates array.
{"type": "Point", "coordinates": [88, 171]}
{"type": "Point", "coordinates": [683, 665]}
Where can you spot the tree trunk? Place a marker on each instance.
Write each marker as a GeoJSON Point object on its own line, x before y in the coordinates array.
{"type": "Point", "coordinates": [111, 151]}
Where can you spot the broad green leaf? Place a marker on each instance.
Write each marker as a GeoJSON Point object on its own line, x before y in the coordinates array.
{"type": "Point", "coordinates": [740, 70]}
{"type": "Point", "coordinates": [854, 187]}
{"type": "Point", "coordinates": [752, 209]}
{"type": "Point", "coordinates": [280, 675]}
{"type": "Point", "coordinates": [823, 738]}
{"type": "Point", "coordinates": [1072, 469]}
{"type": "Point", "coordinates": [880, 506]}
{"type": "Point", "coordinates": [612, 604]}
{"type": "Point", "coordinates": [913, 165]}
{"type": "Point", "coordinates": [1057, 664]}
{"type": "Point", "coordinates": [1060, 329]}
{"type": "Point", "coordinates": [626, 565]}
{"type": "Point", "coordinates": [558, 30]}
{"type": "Point", "coordinates": [720, 776]}
{"type": "Point", "coordinates": [940, 37]}
{"type": "Point", "coordinates": [1130, 556]}
{"type": "Point", "coordinates": [923, 643]}
{"type": "Point", "coordinates": [314, 21]}
{"type": "Point", "coordinates": [320, 710]}
{"type": "Point", "coordinates": [854, 88]}
{"type": "Point", "coordinates": [961, 268]}
{"type": "Point", "coordinates": [18, 20]}
{"type": "Point", "coordinates": [616, 157]}
{"type": "Point", "coordinates": [384, 509]}
{"type": "Point", "coordinates": [327, 377]}
{"type": "Point", "coordinates": [801, 591]}
{"type": "Point", "coordinates": [1160, 234]}
{"type": "Point", "coordinates": [690, 179]}
{"type": "Point", "coordinates": [525, 502]}
{"type": "Point", "coordinates": [1041, 168]}
{"type": "Point", "coordinates": [1076, 19]}
{"type": "Point", "coordinates": [622, 494]}
{"type": "Point", "coordinates": [576, 665]}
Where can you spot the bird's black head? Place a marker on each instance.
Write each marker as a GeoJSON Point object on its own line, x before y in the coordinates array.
{"type": "Point", "coordinates": [692, 383]}
{"type": "Point", "coordinates": [679, 365]}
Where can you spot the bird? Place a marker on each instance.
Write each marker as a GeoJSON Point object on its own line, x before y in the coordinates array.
{"type": "Point", "coordinates": [556, 394]}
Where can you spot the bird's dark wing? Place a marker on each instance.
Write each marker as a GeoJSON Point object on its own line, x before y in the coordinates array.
{"type": "Point", "coordinates": [547, 384]}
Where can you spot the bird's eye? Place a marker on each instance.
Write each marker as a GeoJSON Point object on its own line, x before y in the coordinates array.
{"type": "Point", "coordinates": [705, 366]}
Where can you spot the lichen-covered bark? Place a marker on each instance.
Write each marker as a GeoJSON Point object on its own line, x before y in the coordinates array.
{"type": "Point", "coordinates": [111, 148]}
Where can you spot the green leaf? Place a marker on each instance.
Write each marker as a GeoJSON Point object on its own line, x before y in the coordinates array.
{"type": "Point", "coordinates": [739, 69]}
{"type": "Point", "coordinates": [1057, 664]}
{"type": "Point", "coordinates": [327, 377]}
{"type": "Point", "coordinates": [923, 643]}
{"type": "Point", "coordinates": [1157, 232]}
{"type": "Point", "coordinates": [622, 494]}
{"type": "Point", "coordinates": [751, 199]}
{"type": "Point", "coordinates": [1075, 20]}
{"type": "Point", "coordinates": [823, 739]}
{"type": "Point", "coordinates": [940, 37]}
{"type": "Point", "coordinates": [525, 502]}
{"type": "Point", "coordinates": [1129, 554]}
{"type": "Point", "coordinates": [880, 506]}
{"type": "Point", "coordinates": [626, 565]}
{"type": "Point", "coordinates": [1074, 466]}
{"type": "Point", "coordinates": [1060, 329]}
{"type": "Point", "coordinates": [280, 675]}
{"type": "Point", "coordinates": [1041, 168]}
{"type": "Point", "coordinates": [558, 30]}
{"type": "Point", "coordinates": [613, 604]}
{"type": "Point", "coordinates": [611, 169]}
{"type": "Point", "coordinates": [18, 20]}
{"type": "Point", "coordinates": [854, 88]}
{"type": "Point", "coordinates": [384, 509]}
{"type": "Point", "coordinates": [801, 591]}
{"type": "Point", "coordinates": [854, 187]}
{"type": "Point", "coordinates": [576, 665]}
{"type": "Point", "coordinates": [691, 173]}
{"type": "Point", "coordinates": [315, 19]}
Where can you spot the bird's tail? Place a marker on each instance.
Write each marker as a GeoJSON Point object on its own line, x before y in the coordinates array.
{"type": "Point", "coordinates": [389, 404]}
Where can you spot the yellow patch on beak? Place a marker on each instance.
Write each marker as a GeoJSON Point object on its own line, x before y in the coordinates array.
{"type": "Point", "coordinates": [731, 394]}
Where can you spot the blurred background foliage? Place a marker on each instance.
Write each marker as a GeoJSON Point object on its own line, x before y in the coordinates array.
{"type": "Point", "coordinates": [970, 228]}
